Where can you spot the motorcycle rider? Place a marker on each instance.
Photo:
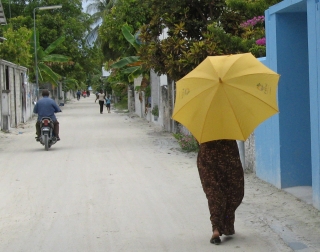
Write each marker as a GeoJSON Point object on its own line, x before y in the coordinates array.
{"type": "Point", "coordinates": [46, 107]}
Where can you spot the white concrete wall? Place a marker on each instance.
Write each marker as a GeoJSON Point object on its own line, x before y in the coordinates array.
{"type": "Point", "coordinates": [30, 97]}
{"type": "Point", "coordinates": [13, 81]}
{"type": "Point", "coordinates": [155, 96]}
{"type": "Point", "coordinates": [138, 105]}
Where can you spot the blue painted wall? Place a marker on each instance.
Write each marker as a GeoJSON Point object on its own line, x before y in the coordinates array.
{"type": "Point", "coordinates": [267, 147]}
{"type": "Point", "coordinates": [313, 10]}
{"type": "Point", "coordinates": [283, 148]}
{"type": "Point", "coordinates": [290, 155]}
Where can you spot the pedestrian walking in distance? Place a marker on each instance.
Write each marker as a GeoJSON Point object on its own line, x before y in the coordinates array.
{"type": "Point", "coordinates": [222, 180]}
{"type": "Point", "coordinates": [78, 95]}
{"type": "Point", "coordinates": [100, 97]}
{"type": "Point", "coordinates": [108, 103]}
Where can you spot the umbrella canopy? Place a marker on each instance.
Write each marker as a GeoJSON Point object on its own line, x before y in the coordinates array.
{"type": "Point", "coordinates": [226, 97]}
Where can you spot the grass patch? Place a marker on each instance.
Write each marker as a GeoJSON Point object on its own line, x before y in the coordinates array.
{"type": "Point", "coordinates": [122, 105]}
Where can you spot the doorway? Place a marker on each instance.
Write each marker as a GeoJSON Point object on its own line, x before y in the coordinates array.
{"type": "Point", "coordinates": [294, 99]}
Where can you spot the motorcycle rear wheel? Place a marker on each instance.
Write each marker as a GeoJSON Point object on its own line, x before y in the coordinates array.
{"type": "Point", "coordinates": [46, 142]}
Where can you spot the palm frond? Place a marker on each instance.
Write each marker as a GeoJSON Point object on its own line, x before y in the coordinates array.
{"type": "Point", "coordinates": [55, 58]}
{"type": "Point", "coordinates": [126, 31]}
{"type": "Point", "coordinates": [54, 45]}
{"type": "Point", "coordinates": [48, 74]}
{"type": "Point", "coordinates": [92, 35]}
{"type": "Point", "coordinates": [136, 73]}
{"type": "Point", "coordinates": [125, 61]}
{"type": "Point", "coordinates": [130, 70]}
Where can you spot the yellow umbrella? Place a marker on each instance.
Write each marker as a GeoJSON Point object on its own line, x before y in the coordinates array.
{"type": "Point", "coordinates": [226, 97]}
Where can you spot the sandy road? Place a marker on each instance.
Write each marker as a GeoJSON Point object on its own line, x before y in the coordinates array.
{"type": "Point", "coordinates": [113, 183]}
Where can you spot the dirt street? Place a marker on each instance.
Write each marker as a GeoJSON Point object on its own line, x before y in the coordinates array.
{"type": "Point", "coordinates": [117, 183]}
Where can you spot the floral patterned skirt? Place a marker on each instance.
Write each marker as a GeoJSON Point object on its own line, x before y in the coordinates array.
{"type": "Point", "coordinates": [222, 180]}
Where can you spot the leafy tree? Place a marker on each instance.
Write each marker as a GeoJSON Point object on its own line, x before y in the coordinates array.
{"type": "Point", "coordinates": [196, 29]}
{"type": "Point", "coordinates": [250, 9]}
{"type": "Point", "coordinates": [119, 27]}
{"type": "Point", "coordinates": [51, 25]}
{"type": "Point", "coordinates": [135, 13]}
{"type": "Point", "coordinates": [188, 39]}
{"type": "Point", "coordinates": [14, 8]}
{"type": "Point", "coordinates": [76, 25]}
{"type": "Point", "coordinates": [194, 14]}
{"type": "Point", "coordinates": [88, 65]}
{"type": "Point", "coordinates": [71, 84]}
{"type": "Point", "coordinates": [18, 22]}
{"type": "Point", "coordinates": [16, 47]}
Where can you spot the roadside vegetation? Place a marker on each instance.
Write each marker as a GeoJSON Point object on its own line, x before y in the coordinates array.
{"type": "Point", "coordinates": [128, 38]}
{"type": "Point", "coordinates": [122, 105]}
{"type": "Point", "coordinates": [187, 142]}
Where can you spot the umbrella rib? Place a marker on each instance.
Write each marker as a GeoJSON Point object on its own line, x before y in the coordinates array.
{"type": "Point", "coordinates": [230, 67]}
{"type": "Point", "coordinates": [197, 78]}
{"type": "Point", "coordinates": [255, 73]}
{"type": "Point", "coordinates": [233, 110]}
{"type": "Point", "coordinates": [203, 125]}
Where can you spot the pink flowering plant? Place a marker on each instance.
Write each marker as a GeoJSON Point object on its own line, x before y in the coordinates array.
{"type": "Point", "coordinates": [187, 142]}
{"type": "Point", "coordinates": [253, 22]}
{"type": "Point", "coordinates": [254, 30]}
{"type": "Point", "coordinates": [261, 42]}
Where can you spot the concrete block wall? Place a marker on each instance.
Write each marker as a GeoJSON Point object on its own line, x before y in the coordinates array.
{"type": "Point", "coordinates": [14, 88]}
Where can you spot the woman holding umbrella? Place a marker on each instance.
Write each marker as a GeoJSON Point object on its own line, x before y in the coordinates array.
{"type": "Point", "coordinates": [224, 97]}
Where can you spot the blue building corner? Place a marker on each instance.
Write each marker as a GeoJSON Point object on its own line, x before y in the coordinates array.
{"type": "Point", "coordinates": [288, 144]}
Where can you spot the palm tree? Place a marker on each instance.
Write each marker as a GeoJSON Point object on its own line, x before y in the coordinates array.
{"type": "Point", "coordinates": [99, 8]}
{"type": "Point", "coordinates": [131, 65]}
{"type": "Point", "coordinates": [45, 59]}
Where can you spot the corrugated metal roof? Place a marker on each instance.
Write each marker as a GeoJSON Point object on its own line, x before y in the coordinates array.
{"type": "Point", "coordinates": [2, 16]}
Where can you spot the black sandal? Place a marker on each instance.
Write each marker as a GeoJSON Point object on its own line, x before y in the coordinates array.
{"type": "Point", "coordinates": [216, 241]}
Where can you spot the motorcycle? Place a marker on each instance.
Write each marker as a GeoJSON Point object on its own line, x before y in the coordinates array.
{"type": "Point", "coordinates": [47, 137]}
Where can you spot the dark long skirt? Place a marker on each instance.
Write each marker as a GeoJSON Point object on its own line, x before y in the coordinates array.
{"type": "Point", "coordinates": [222, 179]}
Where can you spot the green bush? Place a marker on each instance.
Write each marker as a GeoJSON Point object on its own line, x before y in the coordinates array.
{"type": "Point", "coordinates": [155, 110]}
{"type": "Point", "coordinates": [187, 142]}
{"type": "Point", "coordinates": [258, 51]}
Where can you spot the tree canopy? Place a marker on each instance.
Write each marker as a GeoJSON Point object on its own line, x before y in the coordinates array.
{"type": "Point", "coordinates": [69, 21]}
{"type": "Point", "coordinates": [173, 36]}
{"type": "Point", "coordinates": [134, 13]}
{"type": "Point", "coordinates": [193, 30]}
{"type": "Point", "coordinates": [16, 48]}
